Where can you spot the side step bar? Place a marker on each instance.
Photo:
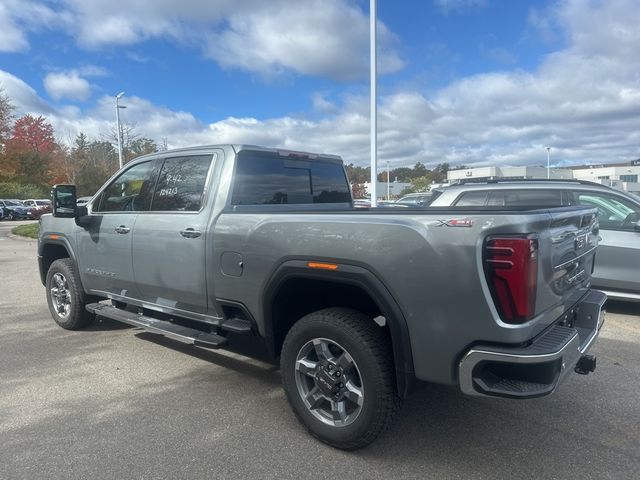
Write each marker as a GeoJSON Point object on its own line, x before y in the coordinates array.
{"type": "Point", "coordinates": [162, 327]}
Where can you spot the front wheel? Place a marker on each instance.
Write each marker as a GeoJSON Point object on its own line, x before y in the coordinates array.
{"type": "Point", "coordinates": [338, 376]}
{"type": "Point", "coordinates": [65, 296]}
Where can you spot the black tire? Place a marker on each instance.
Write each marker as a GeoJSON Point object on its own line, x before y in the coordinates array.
{"type": "Point", "coordinates": [76, 317]}
{"type": "Point", "coordinates": [370, 348]}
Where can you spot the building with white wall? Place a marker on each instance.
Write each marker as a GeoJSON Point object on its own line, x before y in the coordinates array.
{"type": "Point", "coordinates": [395, 188]}
{"type": "Point", "coordinates": [627, 173]}
{"type": "Point", "coordinates": [516, 173]}
{"type": "Point", "coordinates": [623, 177]}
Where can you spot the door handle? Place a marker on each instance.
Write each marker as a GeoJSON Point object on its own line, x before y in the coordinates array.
{"type": "Point", "coordinates": [122, 229]}
{"type": "Point", "coordinates": [190, 233]}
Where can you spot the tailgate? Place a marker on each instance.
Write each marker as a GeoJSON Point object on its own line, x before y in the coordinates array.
{"type": "Point", "coordinates": [567, 256]}
{"type": "Point", "coordinates": [538, 274]}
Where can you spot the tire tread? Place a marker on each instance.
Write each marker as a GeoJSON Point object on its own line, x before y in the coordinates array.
{"type": "Point", "coordinates": [374, 338]}
{"type": "Point", "coordinates": [79, 318]}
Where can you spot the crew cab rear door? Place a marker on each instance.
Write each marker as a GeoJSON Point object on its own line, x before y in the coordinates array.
{"type": "Point", "coordinates": [169, 241]}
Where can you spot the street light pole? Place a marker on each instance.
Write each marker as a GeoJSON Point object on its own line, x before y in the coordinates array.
{"type": "Point", "coordinates": [548, 158]}
{"type": "Point", "coordinates": [373, 97]}
{"type": "Point", "coordinates": [118, 107]}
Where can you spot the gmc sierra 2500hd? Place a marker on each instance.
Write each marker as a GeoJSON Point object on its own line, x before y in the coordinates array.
{"type": "Point", "coordinates": [260, 251]}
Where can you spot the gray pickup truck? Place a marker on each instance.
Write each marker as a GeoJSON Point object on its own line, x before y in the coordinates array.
{"type": "Point", "coordinates": [261, 252]}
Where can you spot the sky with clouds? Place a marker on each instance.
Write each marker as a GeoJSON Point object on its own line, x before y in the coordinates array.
{"type": "Point", "coordinates": [474, 82]}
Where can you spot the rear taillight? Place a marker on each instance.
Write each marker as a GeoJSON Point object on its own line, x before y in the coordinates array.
{"type": "Point", "coordinates": [511, 265]}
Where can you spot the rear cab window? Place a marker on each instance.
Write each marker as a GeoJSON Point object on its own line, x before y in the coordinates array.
{"type": "Point", "coordinates": [268, 178]}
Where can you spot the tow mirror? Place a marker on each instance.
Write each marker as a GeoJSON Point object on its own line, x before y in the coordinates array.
{"type": "Point", "coordinates": [63, 201]}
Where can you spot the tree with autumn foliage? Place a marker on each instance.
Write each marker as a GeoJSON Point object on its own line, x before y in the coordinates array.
{"type": "Point", "coordinates": [33, 134]}
{"type": "Point", "coordinates": [30, 152]}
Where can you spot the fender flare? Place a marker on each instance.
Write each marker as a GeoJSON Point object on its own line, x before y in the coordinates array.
{"type": "Point", "coordinates": [371, 284]}
{"type": "Point", "coordinates": [61, 241]}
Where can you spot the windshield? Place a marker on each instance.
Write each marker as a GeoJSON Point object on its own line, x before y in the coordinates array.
{"type": "Point", "coordinates": [9, 203]}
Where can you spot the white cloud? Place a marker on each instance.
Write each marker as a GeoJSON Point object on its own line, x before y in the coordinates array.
{"type": "Point", "coordinates": [12, 39]}
{"type": "Point", "coordinates": [24, 98]}
{"type": "Point", "coordinates": [309, 37]}
{"type": "Point", "coordinates": [69, 85]}
{"type": "Point", "coordinates": [583, 100]}
{"type": "Point", "coordinates": [18, 17]}
{"type": "Point", "coordinates": [321, 104]}
{"type": "Point", "coordinates": [317, 37]}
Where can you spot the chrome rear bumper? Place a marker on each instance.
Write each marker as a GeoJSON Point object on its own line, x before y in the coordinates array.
{"type": "Point", "coordinates": [537, 369]}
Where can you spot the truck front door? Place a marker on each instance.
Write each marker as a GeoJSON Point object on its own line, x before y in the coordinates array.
{"type": "Point", "coordinates": [104, 242]}
{"type": "Point", "coordinates": [169, 241]}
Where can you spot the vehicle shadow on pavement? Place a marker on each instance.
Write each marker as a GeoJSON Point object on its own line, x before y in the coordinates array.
{"type": "Point", "coordinates": [104, 324]}
{"type": "Point", "coordinates": [222, 358]}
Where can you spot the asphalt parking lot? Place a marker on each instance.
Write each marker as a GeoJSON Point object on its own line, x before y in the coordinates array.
{"type": "Point", "coordinates": [114, 402]}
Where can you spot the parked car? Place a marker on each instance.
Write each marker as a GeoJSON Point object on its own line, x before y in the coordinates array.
{"type": "Point", "coordinates": [617, 269]}
{"type": "Point", "coordinates": [422, 199]}
{"type": "Point", "coordinates": [261, 251]}
{"type": "Point", "coordinates": [366, 203]}
{"type": "Point", "coordinates": [15, 210]}
{"type": "Point", "coordinates": [40, 204]}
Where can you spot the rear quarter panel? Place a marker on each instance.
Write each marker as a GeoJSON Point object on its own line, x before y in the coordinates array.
{"type": "Point", "coordinates": [434, 272]}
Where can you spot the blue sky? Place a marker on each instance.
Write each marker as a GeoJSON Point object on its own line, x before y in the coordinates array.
{"type": "Point", "coordinates": [464, 81]}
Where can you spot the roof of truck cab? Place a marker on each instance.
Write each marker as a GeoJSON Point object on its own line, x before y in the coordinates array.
{"type": "Point", "coordinates": [237, 147]}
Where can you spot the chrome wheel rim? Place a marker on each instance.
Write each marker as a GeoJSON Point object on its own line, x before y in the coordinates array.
{"type": "Point", "coordinates": [329, 382]}
{"type": "Point", "coordinates": [60, 295]}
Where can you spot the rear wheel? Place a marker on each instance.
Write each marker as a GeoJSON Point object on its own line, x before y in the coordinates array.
{"type": "Point", "coordinates": [65, 296]}
{"type": "Point", "coordinates": [338, 375]}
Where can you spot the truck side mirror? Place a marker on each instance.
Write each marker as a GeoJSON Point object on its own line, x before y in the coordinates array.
{"type": "Point", "coordinates": [63, 201]}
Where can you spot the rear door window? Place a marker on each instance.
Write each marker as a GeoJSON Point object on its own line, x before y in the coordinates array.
{"type": "Point", "coordinates": [526, 198]}
{"type": "Point", "coordinates": [472, 199]}
{"type": "Point", "coordinates": [181, 183]}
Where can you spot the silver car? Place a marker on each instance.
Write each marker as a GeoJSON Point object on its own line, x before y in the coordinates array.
{"type": "Point", "coordinates": [617, 270]}
{"type": "Point", "coordinates": [416, 199]}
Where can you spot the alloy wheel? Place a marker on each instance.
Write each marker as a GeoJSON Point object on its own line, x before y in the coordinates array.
{"type": "Point", "coordinates": [60, 295]}
{"type": "Point", "coordinates": [329, 382]}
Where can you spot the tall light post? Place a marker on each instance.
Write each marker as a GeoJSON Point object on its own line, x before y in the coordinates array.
{"type": "Point", "coordinates": [548, 158]}
{"type": "Point", "coordinates": [118, 107]}
{"type": "Point", "coordinates": [373, 97]}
